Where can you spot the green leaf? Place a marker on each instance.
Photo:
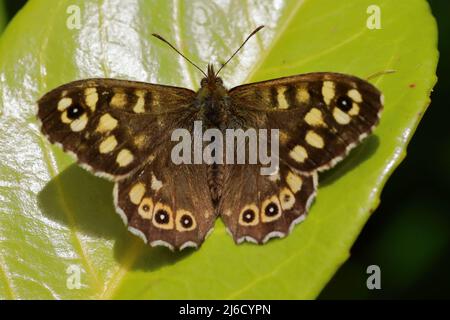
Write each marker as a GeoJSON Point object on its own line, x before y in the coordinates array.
{"type": "Point", "coordinates": [3, 16]}
{"type": "Point", "coordinates": [55, 217]}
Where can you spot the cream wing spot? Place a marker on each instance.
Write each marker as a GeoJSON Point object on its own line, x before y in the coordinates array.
{"type": "Point", "coordinates": [108, 145]}
{"type": "Point", "coordinates": [281, 99]}
{"type": "Point", "coordinates": [106, 123]}
{"type": "Point", "coordinates": [355, 95]}
{"type": "Point", "coordinates": [119, 100]}
{"type": "Point", "coordinates": [91, 98]}
{"type": "Point", "coordinates": [156, 184]}
{"type": "Point", "coordinates": [64, 103]}
{"type": "Point", "coordinates": [340, 116]}
{"type": "Point", "coordinates": [79, 124]}
{"type": "Point", "coordinates": [64, 118]}
{"type": "Point", "coordinates": [124, 158]}
{"type": "Point", "coordinates": [302, 95]}
{"type": "Point", "coordinates": [294, 182]}
{"type": "Point", "coordinates": [328, 91]}
{"type": "Point", "coordinates": [140, 104]}
{"type": "Point", "coordinates": [354, 111]}
{"type": "Point", "coordinates": [315, 140]}
{"type": "Point", "coordinates": [299, 154]}
{"type": "Point", "coordinates": [314, 118]}
{"type": "Point", "coordinates": [136, 193]}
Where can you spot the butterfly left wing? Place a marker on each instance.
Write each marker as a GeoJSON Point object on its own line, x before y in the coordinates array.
{"type": "Point", "coordinates": [113, 127]}
{"type": "Point", "coordinates": [321, 116]}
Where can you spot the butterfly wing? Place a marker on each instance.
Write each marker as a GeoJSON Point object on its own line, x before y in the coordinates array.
{"type": "Point", "coordinates": [321, 116]}
{"type": "Point", "coordinates": [159, 203]}
{"type": "Point", "coordinates": [113, 127]}
{"type": "Point", "coordinates": [257, 207]}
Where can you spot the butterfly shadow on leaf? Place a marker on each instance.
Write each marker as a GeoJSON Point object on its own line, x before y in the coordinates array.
{"type": "Point", "coordinates": [356, 157]}
{"type": "Point", "coordinates": [84, 203]}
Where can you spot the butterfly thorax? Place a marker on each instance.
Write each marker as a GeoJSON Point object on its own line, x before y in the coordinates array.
{"type": "Point", "coordinates": [213, 100]}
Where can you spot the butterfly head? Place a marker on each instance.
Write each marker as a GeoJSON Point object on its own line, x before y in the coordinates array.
{"type": "Point", "coordinates": [211, 81]}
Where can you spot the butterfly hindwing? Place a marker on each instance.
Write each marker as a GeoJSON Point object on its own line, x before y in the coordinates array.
{"type": "Point", "coordinates": [257, 207]}
{"type": "Point", "coordinates": [321, 116]}
{"type": "Point", "coordinates": [112, 126]}
{"type": "Point", "coordinates": [167, 204]}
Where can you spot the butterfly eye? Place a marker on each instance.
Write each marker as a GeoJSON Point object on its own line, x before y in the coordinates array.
{"type": "Point", "coordinates": [203, 82]}
{"type": "Point", "coordinates": [344, 103]}
{"type": "Point", "coordinates": [75, 111]}
{"type": "Point", "coordinates": [219, 81]}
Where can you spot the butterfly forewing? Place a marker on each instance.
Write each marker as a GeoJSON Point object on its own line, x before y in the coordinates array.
{"type": "Point", "coordinates": [112, 126]}
{"type": "Point", "coordinates": [321, 116]}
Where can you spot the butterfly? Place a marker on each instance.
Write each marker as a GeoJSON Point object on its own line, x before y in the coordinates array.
{"type": "Point", "coordinates": [121, 130]}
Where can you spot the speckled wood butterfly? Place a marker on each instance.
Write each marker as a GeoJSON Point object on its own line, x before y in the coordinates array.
{"type": "Point", "coordinates": [121, 130]}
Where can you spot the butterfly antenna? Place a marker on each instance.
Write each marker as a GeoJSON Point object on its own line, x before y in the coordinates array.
{"type": "Point", "coordinates": [170, 45]}
{"type": "Point", "coordinates": [380, 73]}
{"type": "Point", "coordinates": [248, 38]}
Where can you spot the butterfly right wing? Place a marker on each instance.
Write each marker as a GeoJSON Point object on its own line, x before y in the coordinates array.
{"type": "Point", "coordinates": [113, 126]}
{"type": "Point", "coordinates": [321, 116]}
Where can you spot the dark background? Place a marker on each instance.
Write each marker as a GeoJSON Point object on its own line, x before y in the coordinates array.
{"type": "Point", "coordinates": [408, 236]}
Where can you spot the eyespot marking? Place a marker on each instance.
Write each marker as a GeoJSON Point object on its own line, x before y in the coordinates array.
{"type": "Point", "coordinates": [185, 221]}
{"type": "Point", "coordinates": [163, 217]}
{"type": "Point", "coordinates": [270, 209]}
{"type": "Point", "coordinates": [145, 209]}
{"type": "Point", "coordinates": [287, 199]}
{"type": "Point", "coordinates": [249, 215]}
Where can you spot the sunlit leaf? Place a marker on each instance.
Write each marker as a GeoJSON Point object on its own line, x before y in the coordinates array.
{"type": "Point", "coordinates": [56, 218]}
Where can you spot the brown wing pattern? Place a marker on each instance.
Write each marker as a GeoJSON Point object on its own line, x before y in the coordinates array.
{"type": "Point", "coordinates": [167, 204]}
{"type": "Point", "coordinates": [321, 116]}
{"type": "Point", "coordinates": [112, 126]}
